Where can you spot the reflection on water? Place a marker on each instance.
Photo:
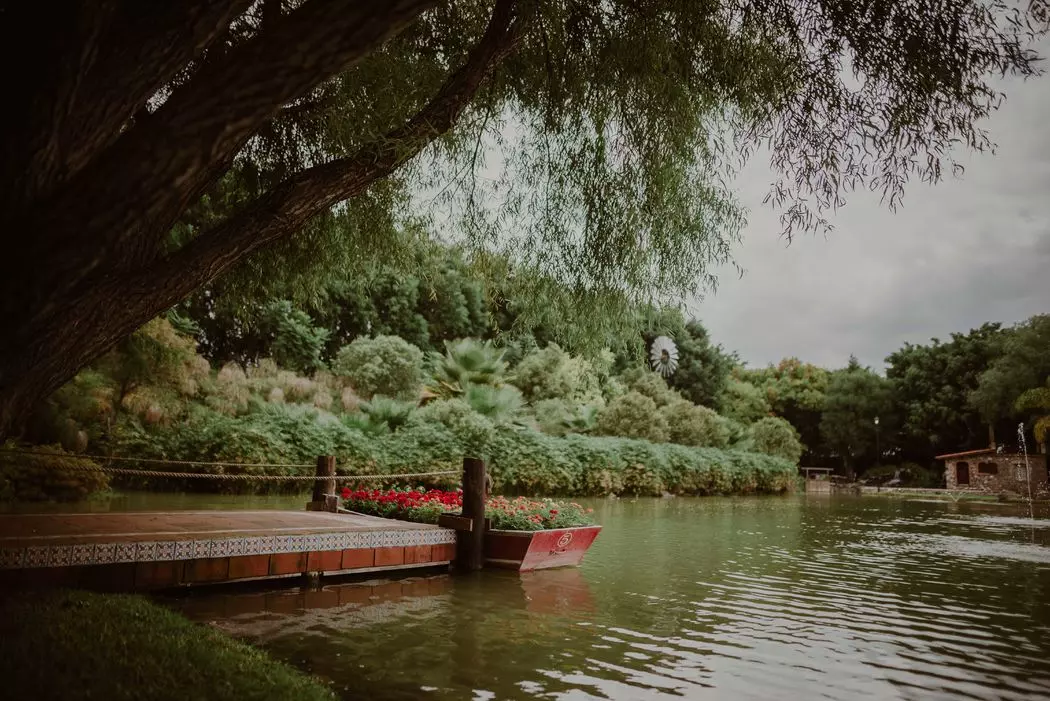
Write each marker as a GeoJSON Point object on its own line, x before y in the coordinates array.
{"type": "Point", "coordinates": [761, 598]}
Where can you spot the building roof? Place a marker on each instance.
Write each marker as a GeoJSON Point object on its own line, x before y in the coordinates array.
{"type": "Point", "coordinates": [984, 451]}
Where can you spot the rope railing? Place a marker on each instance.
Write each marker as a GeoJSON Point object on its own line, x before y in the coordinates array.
{"type": "Point", "coordinates": [214, 475]}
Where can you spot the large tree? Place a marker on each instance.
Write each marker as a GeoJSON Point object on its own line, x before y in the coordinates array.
{"type": "Point", "coordinates": [794, 391]}
{"type": "Point", "coordinates": [932, 386]}
{"type": "Point", "coordinates": [1022, 365]}
{"type": "Point", "coordinates": [615, 123]}
{"type": "Point", "coordinates": [856, 396]}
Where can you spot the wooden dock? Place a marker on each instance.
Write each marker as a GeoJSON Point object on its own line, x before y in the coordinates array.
{"type": "Point", "coordinates": [144, 551]}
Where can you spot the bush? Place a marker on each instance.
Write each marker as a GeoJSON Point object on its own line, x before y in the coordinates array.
{"type": "Point", "coordinates": [651, 384]}
{"type": "Point", "coordinates": [775, 436]}
{"type": "Point", "coordinates": [552, 373]}
{"type": "Point", "coordinates": [296, 343]}
{"type": "Point", "coordinates": [386, 365]}
{"type": "Point", "coordinates": [46, 478]}
{"type": "Point", "coordinates": [633, 415]}
{"type": "Point", "coordinates": [472, 431]}
{"type": "Point", "coordinates": [689, 424]}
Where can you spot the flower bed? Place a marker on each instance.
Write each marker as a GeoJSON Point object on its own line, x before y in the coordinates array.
{"type": "Point", "coordinates": [520, 514]}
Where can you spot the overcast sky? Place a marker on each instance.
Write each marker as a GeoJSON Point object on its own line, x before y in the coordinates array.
{"type": "Point", "coordinates": [953, 256]}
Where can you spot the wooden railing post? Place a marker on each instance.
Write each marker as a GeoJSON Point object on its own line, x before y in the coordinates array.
{"type": "Point", "coordinates": [324, 498]}
{"type": "Point", "coordinates": [470, 545]}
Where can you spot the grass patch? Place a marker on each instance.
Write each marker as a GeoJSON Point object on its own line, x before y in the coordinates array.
{"type": "Point", "coordinates": [75, 645]}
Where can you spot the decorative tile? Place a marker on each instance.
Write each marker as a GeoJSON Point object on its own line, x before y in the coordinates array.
{"type": "Point", "coordinates": [283, 543]}
{"type": "Point", "coordinates": [184, 549]}
{"type": "Point", "coordinates": [83, 554]}
{"type": "Point", "coordinates": [330, 541]}
{"type": "Point", "coordinates": [201, 549]}
{"type": "Point", "coordinates": [105, 553]}
{"type": "Point", "coordinates": [125, 552]}
{"type": "Point", "coordinates": [310, 542]}
{"type": "Point", "coordinates": [220, 548]}
{"type": "Point", "coordinates": [60, 556]}
{"type": "Point", "coordinates": [37, 556]}
{"type": "Point", "coordinates": [146, 551]}
{"type": "Point", "coordinates": [11, 557]}
{"type": "Point", "coordinates": [238, 546]}
{"type": "Point", "coordinates": [166, 550]}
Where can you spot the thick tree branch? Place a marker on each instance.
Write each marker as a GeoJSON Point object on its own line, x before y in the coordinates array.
{"type": "Point", "coordinates": [142, 51]}
{"type": "Point", "coordinates": [90, 323]}
{"type": "Point", "coordinates": [290, 205]}
{"type": "Point", "coordinates": [120, 207]}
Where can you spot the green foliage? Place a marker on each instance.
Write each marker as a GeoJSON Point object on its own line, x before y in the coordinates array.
{"type": "Point", "coordinates": [932, 385]}
{"type": "Point", "coordinates": [499, 404]}
{"type": "Point", "coordinates": [386, 412]}
{"type": "Point", "coordinates": [54, 476]}
{"type": "Point", "coordinates": [559, 417]}
{"type": "Point", "coordinates": [551, 373]}
{"type": "Point", "coordinates": [1023, 363]}
{"type": "Point", "coordinates": [651, 384]}
{"type": "Point", "coordinates": [81, 646]}
{"type": "Point", "coordinates": [531, 463]}
{"type": "Point", "coordinates": [744, 402]}
{"type": "Point", "coordinates": [633, 415]}
{"type": "Point", "coordinates": [296, 343]}
{"type": "Point", "coordinates": [467, 362]}
{"type": "Point", "coordinates": [776, 436]}
{"type": "Point", "coordinates": [795, 391]}
{"type": "Point", "coordinates": [385, 365]}
{"type": "Point", "coordinates": [471, 431]}
{"type": "Point", "coordinates": [702, 367]}
{"type": "Point", "coordinates": [1037, 401]}
{"type": "Point", "coordinates": [855, 397]}
{"type": "Point", "coordinates": [155, 355]}
{"type": "Point", "coordinates": [689, 424]}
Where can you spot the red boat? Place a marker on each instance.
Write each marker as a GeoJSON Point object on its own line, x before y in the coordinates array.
{"type": "Point", "coordinates": [537, 550]}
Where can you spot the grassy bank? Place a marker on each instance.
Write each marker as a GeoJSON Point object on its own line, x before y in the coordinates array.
{"type": "Point", "coordinates": [75, 645]}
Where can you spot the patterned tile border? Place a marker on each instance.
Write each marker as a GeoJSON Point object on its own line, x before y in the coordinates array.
{"type": "Point", "coordinates": [153, 551]}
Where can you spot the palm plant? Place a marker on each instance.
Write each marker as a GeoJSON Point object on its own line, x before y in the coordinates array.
{"type": "Point", "coordinates": [583, 421]}
{"type": "Point", "coordinates": [500, 404]}
{"type": "Point", "coordinates": [1038, 400]}
{"type": "Point", "coordinates": [380, 415]}
{"type": "Point", "coordinates": [466, 362]}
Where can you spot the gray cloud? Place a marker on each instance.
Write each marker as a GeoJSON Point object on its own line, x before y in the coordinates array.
{"type": "Point", "coordinates": [953, 256]}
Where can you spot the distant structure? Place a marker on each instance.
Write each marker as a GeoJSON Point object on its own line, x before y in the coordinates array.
{"type": "Point", "coordinates": [992, 470]}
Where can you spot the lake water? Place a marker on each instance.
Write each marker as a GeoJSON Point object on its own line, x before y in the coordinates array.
{"type": "Point", "coordinates": [745, 598]}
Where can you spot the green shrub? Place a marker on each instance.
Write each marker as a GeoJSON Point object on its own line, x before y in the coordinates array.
{"type": "Point", "coordinates": [633, 415]}
{"type": "Point", "coordinates": [651, 384]}
{"type": "Point", "coordinates": [296, 343]}
{"type": "Point", "coordinates": [472, 431]}
{"type": "Point", "coordinates": [386, 365]}
{"type": "Point", "coordinates": [775, 436]}
{"type": "Point", "coordinates": [689, 424]}
{"type": "Point", "coordinates": [51, 477]}
{"type": "Point", "coordinates": [552, 373]}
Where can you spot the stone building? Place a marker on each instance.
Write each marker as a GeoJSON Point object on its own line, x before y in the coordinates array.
{"type": "Point", "coordinates": [988, 470]}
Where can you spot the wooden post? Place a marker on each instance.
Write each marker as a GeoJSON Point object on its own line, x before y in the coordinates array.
{"type": "Point", "coordinates": [470, 545]}
{"type": "Point", "coordinates": [323, 488]}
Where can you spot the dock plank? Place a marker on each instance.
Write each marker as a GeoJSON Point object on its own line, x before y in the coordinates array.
{"type": "Point", "coordinates": [213, 546]}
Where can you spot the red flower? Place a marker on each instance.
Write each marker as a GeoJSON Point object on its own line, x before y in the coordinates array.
{"type": "Point", "coordinates": [346, 493]}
